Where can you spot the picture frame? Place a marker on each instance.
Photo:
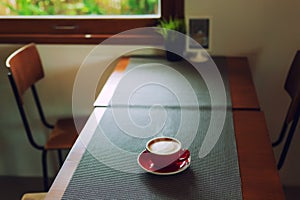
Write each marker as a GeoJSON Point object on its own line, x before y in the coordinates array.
{"type": "Point", "coordinates": [199, 31]}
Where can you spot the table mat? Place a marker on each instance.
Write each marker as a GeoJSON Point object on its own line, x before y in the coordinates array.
{"type": "Point", "coordinates": [154, 80]}
{"type": "Point", "coordinates": [215, 176]}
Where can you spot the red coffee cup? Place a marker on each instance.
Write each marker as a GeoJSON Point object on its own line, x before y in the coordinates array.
{"type": "Point", "coordinates": [165, 151]}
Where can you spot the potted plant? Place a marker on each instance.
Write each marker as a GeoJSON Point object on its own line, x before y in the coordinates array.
{"type": "Point", "coordinates": [171, 39]}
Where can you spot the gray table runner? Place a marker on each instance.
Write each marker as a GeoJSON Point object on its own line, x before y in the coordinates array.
{"type": "Point", "coordinates": [214, 177]}
{"type": "Point", "coordinates": [148, 81]}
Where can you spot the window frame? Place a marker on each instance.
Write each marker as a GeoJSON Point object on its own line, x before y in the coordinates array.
{"type": "Point", "coordinates": [79, 31]}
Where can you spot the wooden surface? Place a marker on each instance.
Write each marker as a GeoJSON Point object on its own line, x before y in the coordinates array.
{"type": "Point", "coordinates": [259, 176]}
{"type": "Point", "coordinates": [66, 172]}
{"type": "Point", "coordinates": [108, 89]}
{"type": "Point", "coordinates": [243, 94]}
{"type": "Point", "coordinates": [242, 90]}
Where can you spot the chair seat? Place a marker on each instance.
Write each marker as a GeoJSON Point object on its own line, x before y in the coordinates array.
{"type": "Point", "coordinates": [63, 135]}
{"type": "Point", "coordinates": [34, 196]}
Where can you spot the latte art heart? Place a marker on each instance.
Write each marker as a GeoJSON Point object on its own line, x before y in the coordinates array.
{"type": "Point", "coordinates": [164, 147]}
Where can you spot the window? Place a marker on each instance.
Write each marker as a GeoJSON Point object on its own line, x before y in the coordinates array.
{"type": "Point", "coordinates": [80, 25]}
{"type": "Point", "coordinates": [85, 8]}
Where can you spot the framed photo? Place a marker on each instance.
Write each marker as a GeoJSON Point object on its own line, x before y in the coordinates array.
{"type": "Point", "coordinates": [199, 29]}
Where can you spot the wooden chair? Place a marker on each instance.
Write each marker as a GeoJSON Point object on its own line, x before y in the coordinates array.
{"type": "Point", "coordinates": [25, 69]}
{"type": "Point", "coordinates": [292, 86]}
{"type": "Point", "coordinates": [34, 196]}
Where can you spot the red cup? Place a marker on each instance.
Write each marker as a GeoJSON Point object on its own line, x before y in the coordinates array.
{"type": "Point", "coordinates": [165, 151]}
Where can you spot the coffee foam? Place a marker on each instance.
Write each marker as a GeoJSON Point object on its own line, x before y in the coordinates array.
{"type": "Point", "coordinates": [164, 146]}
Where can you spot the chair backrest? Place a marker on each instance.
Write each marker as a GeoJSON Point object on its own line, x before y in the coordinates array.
{"type": "Point", "coordinates": [292, 86]}
{"type": "Point", "coordinates": [25, 67]}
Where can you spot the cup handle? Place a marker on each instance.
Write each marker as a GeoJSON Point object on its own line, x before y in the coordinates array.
{"type": "Point", "coordinates": [184, 154]}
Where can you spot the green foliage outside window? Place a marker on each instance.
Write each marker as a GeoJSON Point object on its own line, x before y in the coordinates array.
{"type": "Point", "coordinates": [78, 7]}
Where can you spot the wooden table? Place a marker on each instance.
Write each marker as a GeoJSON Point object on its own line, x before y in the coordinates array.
{"type": "Point", "coordinates": [243, 94]}
{"type": "Point", "coordinates": [259, 176]}
{"type": "Point", "coordinates": [242, 90]}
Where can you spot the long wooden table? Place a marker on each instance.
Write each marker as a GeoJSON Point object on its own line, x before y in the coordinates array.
{"type": "Point", "coordinates": [259, 176]}
{"type": "Point", "coordinates": [242, 89]}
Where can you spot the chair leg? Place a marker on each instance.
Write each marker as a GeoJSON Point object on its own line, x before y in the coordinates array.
{"type": "Point", "coordinates": [281, 135]}
{"type": "Point", "coordinates": [60, 158]}
{"type": "Point", "coordinates": [287, 143]}
{"type": "Point", "coordinates": [45, 170]}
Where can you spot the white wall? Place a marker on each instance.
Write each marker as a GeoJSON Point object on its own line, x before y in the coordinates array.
{"type": "Point", "coordinates": [266, 31]}
{"type": "Point", "coordinates": [282, 39]}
